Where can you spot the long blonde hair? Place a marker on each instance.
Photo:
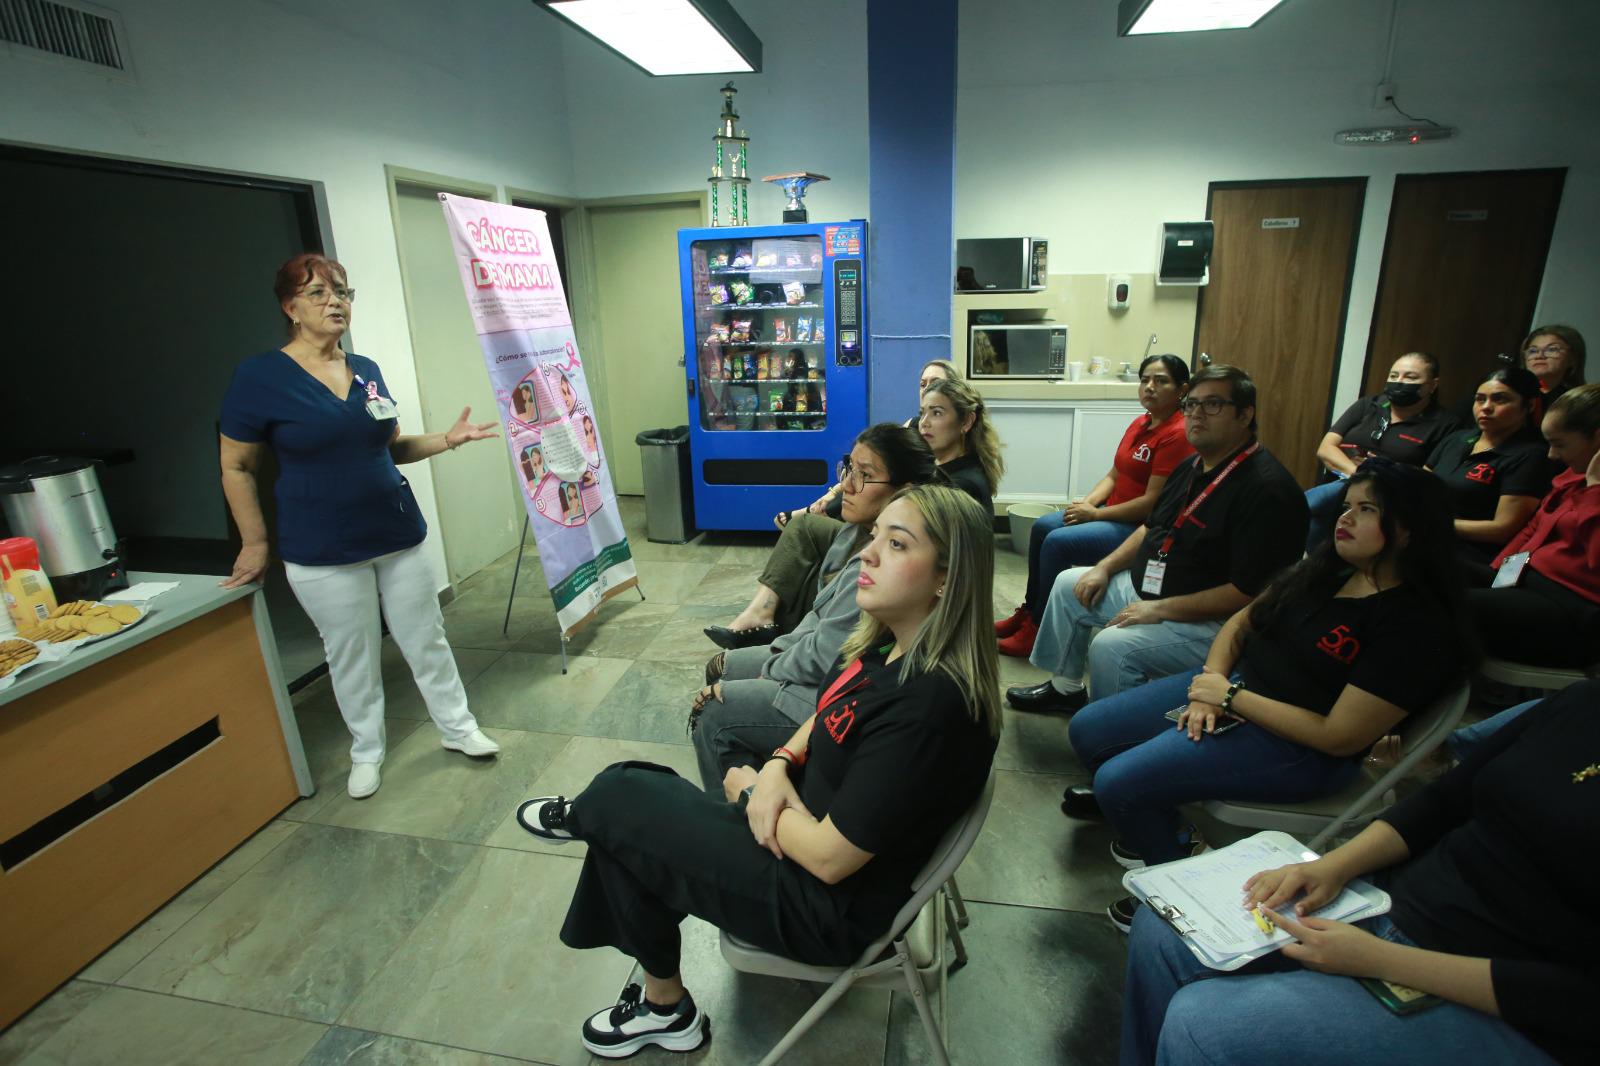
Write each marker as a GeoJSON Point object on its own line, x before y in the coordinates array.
{"type": "Point", "coordinates": [950, 369]}
{"type": "Point", "coordinates": [981, 440]}
{"type": "Point", "coordinates": [957, 637]}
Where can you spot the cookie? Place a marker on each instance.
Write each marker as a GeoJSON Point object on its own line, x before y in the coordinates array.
{"type": "Point", "coordinates": [100, 625]}
{"type": "Point", "coordinates": [125, 614]}
{"type": "Point", "coordinates": [15, 654]}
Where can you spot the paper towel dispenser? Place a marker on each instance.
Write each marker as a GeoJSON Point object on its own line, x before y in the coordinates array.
{"type": "Point", "coordinates": [1184, 257]}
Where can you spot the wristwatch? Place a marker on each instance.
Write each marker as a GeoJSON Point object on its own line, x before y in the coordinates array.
{"type": "Point", "coordinates": [749, 790]}
{"type": "Point", "coordinates": [1227, 701]}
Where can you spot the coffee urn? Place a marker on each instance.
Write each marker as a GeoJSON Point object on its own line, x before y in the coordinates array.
{"type": "Point", "coordinates": [56, 500]}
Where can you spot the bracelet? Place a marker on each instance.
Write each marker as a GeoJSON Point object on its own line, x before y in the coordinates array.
{"type": "Point", "coordinates": [1227, 701]}
{"type": "Point", "coordinates": [798, 760]}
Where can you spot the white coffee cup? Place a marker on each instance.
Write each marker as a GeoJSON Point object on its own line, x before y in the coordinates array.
{"type": "Point", "coordinates": [1074, 371]}
{"type": "Point", "coordinates": [1098, 366]}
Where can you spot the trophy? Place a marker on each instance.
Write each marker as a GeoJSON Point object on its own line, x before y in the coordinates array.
{"type": "Point", "coordinates": [733, 145]}
{"type": "Point", "coordinates": [794, 186]}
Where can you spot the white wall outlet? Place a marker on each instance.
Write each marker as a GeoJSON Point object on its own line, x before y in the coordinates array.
{"type": "Point", "coordinates": [1383, 95]}
{"type": "Point", "coordinates": [1119, 287]}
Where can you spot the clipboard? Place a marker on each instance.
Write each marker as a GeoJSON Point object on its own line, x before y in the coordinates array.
{"type": "Point", "coordinates": [1199, 897]}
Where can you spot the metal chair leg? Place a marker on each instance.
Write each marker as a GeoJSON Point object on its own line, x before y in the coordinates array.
{"type": "Point", "coordinates": [960, 905]}
{"type": "Point", "coordinates": [954, 925]}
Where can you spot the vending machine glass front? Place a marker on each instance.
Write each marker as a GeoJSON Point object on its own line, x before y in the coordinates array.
{"type": "Point", "coordinates": [759, 333]}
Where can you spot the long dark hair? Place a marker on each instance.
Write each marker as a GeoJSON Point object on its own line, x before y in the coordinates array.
{"type": "Point", "coordinates": [907, 460]}
{"type": "Point", "coordinates": [1410, 501]}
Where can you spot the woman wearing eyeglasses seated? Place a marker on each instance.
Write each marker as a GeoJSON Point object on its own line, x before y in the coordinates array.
{"type": "Point", "coordinates": [1555, 355]}
{"type": "Point", "coordinates": [790, 579]}
{"type": "Point", "coordinates": [1297, 686]}
{"type": "Point", "coordinates": [1497, 472]}
{"type": "Point", "coordinates": [755, 696]}
{"type": "Point", "coordinates": [1083, 533]}
{"type": "Point", "coordinates": [815, 853]}
{"type": "Point", "coordinates": [349, 530]}
{"type": "Point", "coordinates": [1492, 917]}
{"type": "Point", "coordinates": [1404, 422]}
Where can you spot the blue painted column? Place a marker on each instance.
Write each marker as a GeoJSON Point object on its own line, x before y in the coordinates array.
{"type": "Point", "coordinates": [911, 132]}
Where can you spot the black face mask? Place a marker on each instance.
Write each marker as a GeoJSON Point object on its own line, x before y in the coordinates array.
{"type": "Point", "coordinates": [1403, 393]}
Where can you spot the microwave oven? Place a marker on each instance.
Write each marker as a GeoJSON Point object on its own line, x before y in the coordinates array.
{"type": "Point", "coordinates": [1001, 264]}
{"type": "Point", "coordinates": [1018, 351]}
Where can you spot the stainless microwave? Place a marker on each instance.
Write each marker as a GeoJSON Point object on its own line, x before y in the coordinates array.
{"type": "Point", "coordinates": [1018, 351]}
{"type": "Point", "coordinates": [1001, 264]}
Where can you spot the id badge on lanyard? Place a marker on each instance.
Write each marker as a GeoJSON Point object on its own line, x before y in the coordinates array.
{"type": "Point", "coordinates": [1155, 571]}
{"type": "Point", "coordinates": [377, 406]}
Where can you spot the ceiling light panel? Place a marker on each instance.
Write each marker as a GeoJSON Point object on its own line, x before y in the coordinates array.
{"type": "Point", "coordinates": [1139, 17]}
{"type": "Point", "coordinates": [664, 37]}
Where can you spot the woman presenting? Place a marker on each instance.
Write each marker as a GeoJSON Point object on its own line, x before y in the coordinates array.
{"type": "Point", "coordinates": [349, 530]}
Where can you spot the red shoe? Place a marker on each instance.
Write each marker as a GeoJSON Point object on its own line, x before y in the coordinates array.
{"type": "Point", "coordinates": [1007, 626]}
{"type": "Point", "coordinates": [1020, 643]}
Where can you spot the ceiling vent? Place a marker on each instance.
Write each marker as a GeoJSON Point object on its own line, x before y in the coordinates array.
{"type": "Point", "coordinates": [63, 29]}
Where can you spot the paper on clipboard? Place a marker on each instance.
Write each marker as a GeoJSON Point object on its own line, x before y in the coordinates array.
{"type": "Point", "coordinates": [1200, 898]}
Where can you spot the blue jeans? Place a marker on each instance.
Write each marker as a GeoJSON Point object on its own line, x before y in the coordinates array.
{"type": "Point", "coordinates": [1323, 502]}
{"type": "Point", "coordinates": [1144, 767]}
{"type": "Point", "coordinates": [1463, 740]}
{"type": "Point", "coordinates": [1119, 658]}
{"type": "Point", "coordinates": [1054, 547]}
{"type": "Point", "coordinates": [1178, 1012]}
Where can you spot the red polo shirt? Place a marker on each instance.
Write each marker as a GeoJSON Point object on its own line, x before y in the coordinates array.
{"type": "Point", "coordinates": [1564, 536]}
{"type": "Point", "coordinates": [1146, 453]}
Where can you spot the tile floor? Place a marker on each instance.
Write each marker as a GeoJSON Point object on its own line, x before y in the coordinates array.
{"type": "Point", "coordinates": [419, 926]}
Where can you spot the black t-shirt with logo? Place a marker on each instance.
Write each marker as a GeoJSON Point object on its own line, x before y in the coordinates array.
{"type": "Point", "coordinates": [894, 763]}
{"type": "Point", "coordinates": [1519, 467]}
{"type": "Point", "coordinates": [1368, 427]}
{"type": "Point", "coordinates": [1393, 644]}
{"type": "Point", "coordinates": [1250, 528]}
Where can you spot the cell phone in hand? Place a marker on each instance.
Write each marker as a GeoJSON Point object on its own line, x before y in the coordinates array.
{"type": "Point", "coordinates": [1224, 723]}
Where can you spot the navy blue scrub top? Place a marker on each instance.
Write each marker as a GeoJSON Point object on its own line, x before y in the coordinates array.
{"type": "Point", "coordinates": [340, 497]}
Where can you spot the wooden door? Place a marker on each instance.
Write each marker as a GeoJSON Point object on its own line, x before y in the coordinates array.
{"type": "Point", "coordinates": [1462, 266]}
{"type": "Point", "coordinates": [1280, 283]}
{"type": "Point", "coordinates": [640, 326]}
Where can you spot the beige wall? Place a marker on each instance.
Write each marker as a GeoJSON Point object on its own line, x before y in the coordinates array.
{"type": "Point", "coordinates": [1078, 301]}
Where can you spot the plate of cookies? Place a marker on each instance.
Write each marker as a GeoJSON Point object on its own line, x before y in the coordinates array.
{"type": "Point", "coordinates": [16, 655]}
{"type": "Point", "coordinates": [83, 622]}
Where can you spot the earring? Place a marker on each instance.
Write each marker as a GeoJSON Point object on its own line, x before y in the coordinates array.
{"type": "Point", "coordinates": [296, 321]}
{"type": "Point", "coordinates": [940, 592]}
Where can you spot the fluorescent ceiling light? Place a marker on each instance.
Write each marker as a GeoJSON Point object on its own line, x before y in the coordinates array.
{"type": "Point", "coordinates": [666, 37]}
{"type": "Point", "coordinates": [1137, 17]}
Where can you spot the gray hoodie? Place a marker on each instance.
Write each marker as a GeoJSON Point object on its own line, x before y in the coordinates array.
{"type": "Point", "coordinates": [800, 658]}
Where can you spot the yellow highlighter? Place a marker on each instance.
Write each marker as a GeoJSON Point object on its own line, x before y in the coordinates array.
{"type": "Point", "coordinates": [1263, 923]}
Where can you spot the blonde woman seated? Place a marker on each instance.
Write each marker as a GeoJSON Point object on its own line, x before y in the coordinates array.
{"type": "Point", "coordinates": [816, 852]}
{"type": "Point", "coordinates": [794, 571]}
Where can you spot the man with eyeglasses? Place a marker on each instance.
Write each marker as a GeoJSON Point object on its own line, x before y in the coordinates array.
{"type": "Point", "coordinates": [1226, 522]}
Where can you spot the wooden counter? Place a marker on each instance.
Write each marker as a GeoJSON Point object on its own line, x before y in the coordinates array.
{"type": "Point", "coordinates": [131, 767]}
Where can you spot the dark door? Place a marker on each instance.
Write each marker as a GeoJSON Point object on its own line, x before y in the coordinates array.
{"type": "Point", "coordinates": [1275, 306]}
{"type": "Point", "coordinates": [1461, 270]}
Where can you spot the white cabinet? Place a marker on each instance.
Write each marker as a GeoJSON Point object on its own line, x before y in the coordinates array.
{"type": "Point", "coordinates": [1057, 449]}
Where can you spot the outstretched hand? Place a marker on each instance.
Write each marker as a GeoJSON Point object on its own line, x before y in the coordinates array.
{"type": "Point", "coordinates": [464, 431]}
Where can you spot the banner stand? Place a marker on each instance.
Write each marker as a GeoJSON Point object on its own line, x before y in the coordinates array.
{"type": "Point", "coordinates": [516, 572]}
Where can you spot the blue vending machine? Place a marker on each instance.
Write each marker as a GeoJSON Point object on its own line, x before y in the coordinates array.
{"type": "Point", "coordinates": [775, 351]}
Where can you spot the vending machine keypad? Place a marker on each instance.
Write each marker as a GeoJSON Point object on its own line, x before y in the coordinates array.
{"type": "Point", "coordinates": [847, 312]}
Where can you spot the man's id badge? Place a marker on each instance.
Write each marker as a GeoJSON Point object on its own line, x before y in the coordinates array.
{"type": "Point", "coordinates": [1154, 572]}
{"type": "Point", "coordinates": [1510, 571]}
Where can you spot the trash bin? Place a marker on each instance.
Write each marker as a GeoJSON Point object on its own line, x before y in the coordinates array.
{"type": "Point", "coordinates": [668, 497]}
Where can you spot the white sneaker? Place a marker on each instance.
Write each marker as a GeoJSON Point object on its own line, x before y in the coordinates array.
{"type": "Point", "coordinates": [363, 779]}
{"type": "Point", "coordinates": [474, 743]}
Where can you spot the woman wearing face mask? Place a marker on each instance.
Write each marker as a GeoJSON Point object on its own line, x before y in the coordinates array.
{"type": "Point", "coordinates": [1555, 355]}
{"type": "Point", "coordinates": [1353, 638]}
{"type": "Point", "coordinates": [790, 579]}
{"type": "Point", "coordinates": [955, 423]}
{"type": "Point", "coordinates": [1085, 532]}
{"type": "Point", "coordinates": [843, 812]}
{"type": "Point", "coordinates": [1497, 472]}
{"type": "Point", "coordinates": [755, 696]}
{"type": "Point", "coordinates": [1404, 422]}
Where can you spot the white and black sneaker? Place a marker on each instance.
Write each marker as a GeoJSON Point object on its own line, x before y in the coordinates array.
{"type": "Point", "coordinates": [1129, 859]}
{"type": "Point", "coordinates": [633, 1025]}
{"type": "Point", "coordinates": [1121, 912]}
{"type": "Point", "coordinates": [546, 818]}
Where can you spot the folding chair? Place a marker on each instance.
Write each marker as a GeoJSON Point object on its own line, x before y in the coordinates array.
{"type": "Point", "coordinates": [892, 959]}
{"type": "Point", "coordinates": [1359, 804]}
{"type": "Point", "coordinates": [1543, 678]}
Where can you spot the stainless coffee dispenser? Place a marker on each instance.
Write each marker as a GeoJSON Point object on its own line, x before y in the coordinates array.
{"type": "Point", "coordinates": [56, 500]}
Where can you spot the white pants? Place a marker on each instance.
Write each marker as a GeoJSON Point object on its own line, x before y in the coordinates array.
{"type": "Point", "coordinates": [343, 603]}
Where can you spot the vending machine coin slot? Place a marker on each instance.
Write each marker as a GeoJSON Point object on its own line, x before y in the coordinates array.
{"type": "Point", "coordinates": [847, 312]}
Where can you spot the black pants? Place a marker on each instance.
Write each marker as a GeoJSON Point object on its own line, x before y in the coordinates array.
{"type": "Point", "coordinates": [1538, 622]}
{"type": "Point", "coordinates": [660, 849]}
